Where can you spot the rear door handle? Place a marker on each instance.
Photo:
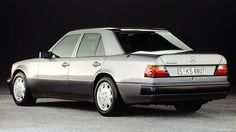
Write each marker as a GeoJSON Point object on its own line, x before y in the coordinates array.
{"type": "Point", "coordinates": [95, 64]}
{"type": "Point", "coordinates": [65, 64]}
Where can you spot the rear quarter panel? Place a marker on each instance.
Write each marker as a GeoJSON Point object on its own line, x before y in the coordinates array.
{"type": "Point", "coordinates": [128, 68]}
{"type": "Point", "coordinates": [128, 73]}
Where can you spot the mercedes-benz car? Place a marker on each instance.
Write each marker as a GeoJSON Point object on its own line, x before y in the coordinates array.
{"type": "Point", "coordinates": [115, 66]}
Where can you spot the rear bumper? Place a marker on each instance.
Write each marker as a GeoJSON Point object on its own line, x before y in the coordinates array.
{"type": "Point", "coordinates": [172, 92]}
{"type": "Point", "coordinates": [184, 88]}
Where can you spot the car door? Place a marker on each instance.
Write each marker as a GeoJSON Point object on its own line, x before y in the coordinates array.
{"type": "Point", "coordinates": [88, 62]}
{"type": "Point", "coordinates": [53, 72]}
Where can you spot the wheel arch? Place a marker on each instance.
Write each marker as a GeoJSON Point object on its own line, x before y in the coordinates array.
{"type": "Point", "coordinates": [17, 71]}
{"type": "Point", "coordinates": [19, 68]}
{"type": "Point", "coordinates": [101, 75]}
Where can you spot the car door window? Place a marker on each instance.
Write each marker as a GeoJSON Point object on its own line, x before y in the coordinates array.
{"type": "Point", "coordinates": [89, 44]}
{"type": "Point", "coordinates": [66, 46]}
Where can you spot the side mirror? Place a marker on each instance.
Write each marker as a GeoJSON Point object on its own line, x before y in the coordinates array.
{"type": "Point", "coordinates": [45, 54]}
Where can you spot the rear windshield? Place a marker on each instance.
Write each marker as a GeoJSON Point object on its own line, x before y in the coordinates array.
{"type": "Point", "coordinates": [132, 41]}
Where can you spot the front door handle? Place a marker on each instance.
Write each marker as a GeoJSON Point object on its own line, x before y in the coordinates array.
{"type": "Point", "coordinates": [65, 64]}
{"type": "Point", "coordinates": [95, 64]}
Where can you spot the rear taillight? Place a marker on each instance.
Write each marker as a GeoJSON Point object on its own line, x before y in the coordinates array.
{"type": "Point", "coordinates": [156, 71]}
{"type": "Point", "coordinates": [221, 70]}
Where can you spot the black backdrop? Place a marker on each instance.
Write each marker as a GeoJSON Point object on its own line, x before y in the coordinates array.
{"type": "Point", "coordinates": [29, 26]}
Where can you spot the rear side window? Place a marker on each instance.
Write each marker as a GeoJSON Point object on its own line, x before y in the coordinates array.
{"type": "Point", "coordinates": [66, 46]}
{"type": "Point", "coordinates": [133, 41]}
{"type": "Point", "coordinates": [91, 45]}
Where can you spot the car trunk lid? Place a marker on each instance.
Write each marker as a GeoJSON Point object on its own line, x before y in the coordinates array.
{"type": "Point", "coordinates": [186, 63]}
{"type": "Point", "coordinates": [191, 64]}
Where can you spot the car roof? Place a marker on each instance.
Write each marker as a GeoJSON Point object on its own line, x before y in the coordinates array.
{"type": "Point", "coordinates": [118, 29]}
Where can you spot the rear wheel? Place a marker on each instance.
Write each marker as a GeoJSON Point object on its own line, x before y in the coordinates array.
{"type": "Point", "coordinates": [188, 107]}
{"type": "Point", "coordinates": [106, 97]}
{"type": "Point", "coordinates": [21, 93]}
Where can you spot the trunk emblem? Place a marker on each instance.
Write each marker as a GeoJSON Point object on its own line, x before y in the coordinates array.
{"type": "Point", "coordinates": [193, 59]}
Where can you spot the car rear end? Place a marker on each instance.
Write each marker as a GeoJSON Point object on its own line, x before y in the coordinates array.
{"type": "Point", "coordinates": [187, 76]}
{"type": "Point", "coordinates": [176, 74]}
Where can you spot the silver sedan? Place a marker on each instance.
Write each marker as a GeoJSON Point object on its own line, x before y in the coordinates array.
{"type": "Point", "coordinates": [116, 66]}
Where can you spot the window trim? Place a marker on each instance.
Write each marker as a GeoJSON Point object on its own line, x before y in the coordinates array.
{"type": "Point", "coordinates": [77, 45]}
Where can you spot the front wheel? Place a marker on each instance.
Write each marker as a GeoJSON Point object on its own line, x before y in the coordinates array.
{"type": "Point", "coordinates": [21, 93]}
{"type": "Point", "coordinates": [106, 97]}
{"type": "Point", "coordinates": [188, 107]}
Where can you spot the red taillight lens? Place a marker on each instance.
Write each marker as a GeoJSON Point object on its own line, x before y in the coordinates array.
{"type": "Point", "coordinates": [156, 71]}
{"type": "Point", "coordinates": [221, 70]}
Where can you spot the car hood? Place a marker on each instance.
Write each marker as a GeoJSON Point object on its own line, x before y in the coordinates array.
{"type": "Point", "coordinates": [27, 61]}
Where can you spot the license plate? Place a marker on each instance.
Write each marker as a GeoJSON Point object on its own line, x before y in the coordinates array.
{"type": "Point", "coordinates": [188, 71]}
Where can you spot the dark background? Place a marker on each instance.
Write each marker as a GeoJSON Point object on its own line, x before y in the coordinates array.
{"type": "Point", "coordinates": [28, 26]}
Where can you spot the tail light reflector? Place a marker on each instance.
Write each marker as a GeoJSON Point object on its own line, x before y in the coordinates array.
{"type": "Point", "coordinates": [156, 71]}
{"type": "Point", "coordinates": [221, 70]}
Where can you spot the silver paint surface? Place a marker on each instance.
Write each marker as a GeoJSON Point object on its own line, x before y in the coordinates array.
{"type": "Point", "coordinates": [75, 76]}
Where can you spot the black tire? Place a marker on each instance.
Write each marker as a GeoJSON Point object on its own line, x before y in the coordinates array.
{"type": "Point", "coordinates": [116, 100]}
{"type": "Point", "coordinates": [27, 99]}
{"type": "Point", "coordinates": [188, 107]}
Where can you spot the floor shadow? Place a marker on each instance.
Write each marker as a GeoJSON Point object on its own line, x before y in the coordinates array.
{"type": "Point", "coordinates": [148, 111]}
{"type": "Point", "coordinates": [68, 104]}
{"type": "Point", "coordinates": [136, 110]}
